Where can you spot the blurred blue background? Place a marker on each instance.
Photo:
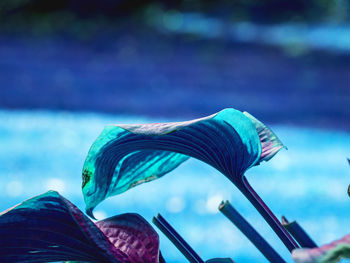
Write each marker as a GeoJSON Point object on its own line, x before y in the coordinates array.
{"type": "Point", "coordinates": [67, 68]}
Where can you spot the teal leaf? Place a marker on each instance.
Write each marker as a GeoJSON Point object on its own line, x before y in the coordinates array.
{"type": "Point", "coordinates": [124, 156]}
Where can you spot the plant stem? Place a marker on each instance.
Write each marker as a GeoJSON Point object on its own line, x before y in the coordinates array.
{"type": "Point", "coordinates": [298, 233]}
{"type": "Point", "coordinates": [267, 214]}
{"type": "Point", "coordinates": [259, 242]}
{"type": "Point", "coordinates": [177, 240]}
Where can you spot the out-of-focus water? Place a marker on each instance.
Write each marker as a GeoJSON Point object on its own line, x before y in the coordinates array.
{"type": "Point", "coordinates": [42, 150]}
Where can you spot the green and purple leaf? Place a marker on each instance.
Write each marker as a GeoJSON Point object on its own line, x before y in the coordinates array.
{"type": "Point", "coordinates": [329, 253]}
{"type": "Point", "coordinates": [124, 156]}
{"type": "Point", "coordinates": [49, 228]}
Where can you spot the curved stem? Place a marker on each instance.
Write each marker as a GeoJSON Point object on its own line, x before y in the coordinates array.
{"type": "Point", "coordinates": [267, 214]}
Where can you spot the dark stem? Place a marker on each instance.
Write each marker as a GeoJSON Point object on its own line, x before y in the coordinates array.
{"type": "Point", "coordinates": [267, 214]}
{"type": "Point", "coordinates": [177, 240]}
{"type": "Point", "coordinates": [298, 233]}
{"type": "Point", "coordinates": [259, 242]}
{"type": "Point", "coordinates": [160, 258]}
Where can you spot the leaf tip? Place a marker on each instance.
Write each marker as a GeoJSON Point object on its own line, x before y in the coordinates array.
{"type": "Point", "coordinates": [270, 143]}
{"type": "Point", "coordinates": [89, 212]}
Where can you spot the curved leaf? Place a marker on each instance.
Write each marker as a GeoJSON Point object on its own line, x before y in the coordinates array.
{"type": "Point", "coordinates": [124, 156]}
{"type": "Point", "coordinates": [49, 228]}
{"type": "Point", "coordinates": [133, 235]}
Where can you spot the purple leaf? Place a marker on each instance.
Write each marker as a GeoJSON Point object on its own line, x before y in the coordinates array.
{"type": "Point", "coordinates": [132, 234]}
{"type": "Point", "coordinates": [329, 253]}
{"type": "Point", "coordinates": [49, 228]}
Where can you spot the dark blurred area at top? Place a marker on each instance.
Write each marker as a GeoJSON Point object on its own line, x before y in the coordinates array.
{"type": "Point", "coordinates": [283, 61]}
{"type": "Point", "coordinates": [62, 15]}
{"type": "Point", "coordinates": [269, 11]}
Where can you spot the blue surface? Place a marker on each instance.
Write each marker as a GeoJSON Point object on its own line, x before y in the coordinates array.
{"type": "Point", "coordinates": [145, 73]}
{"type": "Point", "coordinates": [41, 150]}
